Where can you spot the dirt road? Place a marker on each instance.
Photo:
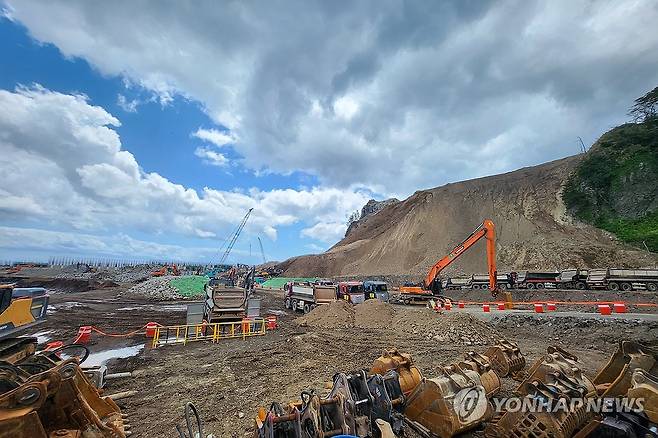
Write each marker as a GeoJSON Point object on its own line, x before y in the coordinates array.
{"type": "Point", "coordinates": [229, 380]}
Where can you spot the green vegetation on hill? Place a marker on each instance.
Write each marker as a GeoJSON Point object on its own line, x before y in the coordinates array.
{"type": "Point", "coordinates": [615, 187]}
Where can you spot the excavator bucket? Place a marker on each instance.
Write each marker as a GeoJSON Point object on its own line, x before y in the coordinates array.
{"type": "Point", "coordinates": [54, 400]}
{"type": "Point", "coordinates": [401, 363]}
{"type": "Point", "coordinates": [480, 364]}
{"type": "Point", "coordinates": [614, 379]}
{"type": "Point", "coordinates": [506, 358]}
{"type": "Point", "coordinates": [451, 403]}
{"type": "Point", "coordinates": [556, 376]}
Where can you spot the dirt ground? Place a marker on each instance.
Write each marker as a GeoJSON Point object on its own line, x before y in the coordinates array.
{"type": "Point", "coordinates": [228, 381]}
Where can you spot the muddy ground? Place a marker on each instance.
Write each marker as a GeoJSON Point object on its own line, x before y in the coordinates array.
{"type": "Point", "coordinates": [228, 381]}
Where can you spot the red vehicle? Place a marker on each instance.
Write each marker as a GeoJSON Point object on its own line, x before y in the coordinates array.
{"type": "Point", "coordinates": [351, 291]}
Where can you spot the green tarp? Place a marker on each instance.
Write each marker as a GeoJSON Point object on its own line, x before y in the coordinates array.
{"type": "Point", "coordinates": [190, 285]}
{"type": "Point", "coordinates": [278, 282]}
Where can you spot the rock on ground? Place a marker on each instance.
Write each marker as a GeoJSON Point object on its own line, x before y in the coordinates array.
{"type": "Point", "coordinates": [157, 288]}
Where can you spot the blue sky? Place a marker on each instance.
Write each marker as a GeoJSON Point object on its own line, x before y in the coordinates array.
{"type": "Point", "coordinates": [143, 130]}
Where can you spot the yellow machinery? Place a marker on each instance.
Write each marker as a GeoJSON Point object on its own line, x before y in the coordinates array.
{"type": "Point", "coordinates": [21, 308]}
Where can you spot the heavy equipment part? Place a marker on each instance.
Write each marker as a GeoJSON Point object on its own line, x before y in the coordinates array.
{"type": "Point", "coordinates": [480, 364]}
{"type": "Point", "coordinates": [21, 308]}
{"type": "Point", "coordinates": [402, 364]}
{"type": "Point", "coordinates": [451, 403]}
{"type": "Point", "coordinates": [166, 270]}
{"type": "Point", "coordinates": [262, 251]}
{"type": "Point", "coordinates": [235, 236]}
{"type": "Point", "coordinates": [42, 396]}
{"type": "Point", "coordinates": [553, 379]}
{"type": "Point", "coordinates": [537, 280]}
{"type": "Point", "coordinates": [644, 386]}
{"type": "Point", "coordinates": [505, 358]}
{"type": "Point", "coordinates": [614, 379]}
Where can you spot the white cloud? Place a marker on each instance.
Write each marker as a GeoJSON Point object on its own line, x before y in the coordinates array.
{"type": "Point", "coordinates": [211, 157]}
{"type": "Point", "coordinates": [215, 137]}
{"type": "Point", "coordinates": [327, 232]}
{"type": "Point", "coordinates": [17, 240]}
{"type": "Point", "coordinates": [395, 100]}
{"type": "Point", "coordinates": [75, 175]}
{"type": "Point", "coordinates": [129, 106]}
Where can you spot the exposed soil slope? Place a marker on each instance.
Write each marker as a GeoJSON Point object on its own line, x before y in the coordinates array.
{"type": "Point", "coordinates": [533, 230]}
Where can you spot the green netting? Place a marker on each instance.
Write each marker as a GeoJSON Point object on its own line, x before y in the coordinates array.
{"type": "Point", "coordinates": [278, 282]}
{"type": "Point", "coordinates": [190, 285]}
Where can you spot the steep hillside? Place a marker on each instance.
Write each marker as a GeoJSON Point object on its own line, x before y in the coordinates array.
{"type": "Point", "coordinates": [534, 230]}
{"type": "Point", "coordinates": [615, 187]}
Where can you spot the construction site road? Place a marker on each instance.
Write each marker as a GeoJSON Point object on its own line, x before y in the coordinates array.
{"type": "Point", "coordinates": [488, 316]}
{"type": "Point", "coordinates": [229, 380]}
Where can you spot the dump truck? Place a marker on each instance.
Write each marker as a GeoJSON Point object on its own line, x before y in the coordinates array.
{"type": "Point", "coordinates": [623, 279]}
{"type": "Point", "coordinates": [481, 281]}
{"type": "Point", "coordinates": [376, 289]}
{"type": "Point", "coordinates": [306, 297]}
{"type": "Point", "coordinates": [573, 279]}
{"type": "Point", "coordinates": [537, 280]}
{"type": "Point", "coordinates": [351, 291]}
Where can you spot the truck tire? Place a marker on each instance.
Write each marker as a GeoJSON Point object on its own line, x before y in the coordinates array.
{"type": "Point", "coordinates": [540, 285]}
{"type": "Point", "coordinates": [294, 305]}
{"type": "Point", "coordinates": [652, 287]}
{"type": "Point", "coordinates": [530, 285]}
{"type": "Point", "coordinates": [503, 286]}
{"type": "Point", "coordinates": [613, 285]}
{"type": "Point", "coordinates": [581, 286]}
{"type": "Point", "coordinates": [476, 287]}
{"type": "Point", "coordinates": [307, 308]}
{"type": "Point", "coordinates": [287, 303]}
{"type": "Point", "coordinates": [626, 287]}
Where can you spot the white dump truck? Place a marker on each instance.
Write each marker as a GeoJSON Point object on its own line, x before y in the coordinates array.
{"type": "Point", "coordinates": [623, 279]}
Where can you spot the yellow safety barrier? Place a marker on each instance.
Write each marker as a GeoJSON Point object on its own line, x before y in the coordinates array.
{"type": "Point", "coordinates": [182, 334]}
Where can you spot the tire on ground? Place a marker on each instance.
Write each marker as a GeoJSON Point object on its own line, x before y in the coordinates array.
{"type": "Point", "coordinates": [307, 308]}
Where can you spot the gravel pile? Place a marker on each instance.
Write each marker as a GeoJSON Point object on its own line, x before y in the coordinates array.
{"type": "Point", "coordinates": [157, 288]}
{"type": "Point", "coordinates": [449, 327]}
{"type": "Point", "coordinates": [126, 274]}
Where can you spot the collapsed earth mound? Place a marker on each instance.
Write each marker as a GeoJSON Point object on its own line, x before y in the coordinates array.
{"type": "Point", "coordinates": [533, 228]}
{"type": "Point", "coordinates": [454, 328]}
{"type": "Point", "coordinates": [339, 314]}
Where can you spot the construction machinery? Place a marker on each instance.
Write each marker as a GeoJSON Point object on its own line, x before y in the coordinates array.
{"type": "Point", "coordinates": [376, 289]}
{"type": "Point", "coordinates": [235, 236]}
{"type": "Point", "coordinates": [432, 286]}
{"type": "Point", "coordinates": [21, 308]}
{"type": "Point", "coordinates": [225, 302]}
{"type": "Point", "coordinates": [623, 279]}
{"type": "Point", "coordinates": [306, 297]}
{"type": "Point", "coordinates": [262, 251]}
{"type": "Point", "coordinates": [351, 291]}
{"type": "Point", "coordinates": [166, 270]}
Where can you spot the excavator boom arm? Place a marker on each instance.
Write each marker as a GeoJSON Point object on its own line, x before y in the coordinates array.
{"type": "Point", "coordinates": [486, 229]}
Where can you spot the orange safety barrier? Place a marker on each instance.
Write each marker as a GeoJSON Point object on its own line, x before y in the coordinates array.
{"type": "Point", "coordinates": [460, 304]}
{"type": "Point", "coordinates": [448, 306]}
{"type": "Point", "coordinates": [501, 306]}
{"type": "Point", "coordinates": [486, 308]}
{"type": "Point", "coordinates": [605, 309]}
{"type": "Point", "coordinates": [270, 322]}
{"type": "Point", "coordinates": [619, 307]}
{"type": "Point", "coordinates": [551, 307]}
{"type": "Point", "coordinates": [539, 307]}
{"type": "Point", "coordinates": [84, 335]}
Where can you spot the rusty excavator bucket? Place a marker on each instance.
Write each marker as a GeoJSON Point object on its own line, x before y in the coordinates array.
{"type": "Point", "coordinates": [45, 398]}
{"type": "Point", "coordinates": [451, 403]}
{"type": "Point", "coordinates": [402, 364]}
{"type": "Point", "coordinates": [554, 377]}
{"type": "Point", "coordinates": [506, 359]}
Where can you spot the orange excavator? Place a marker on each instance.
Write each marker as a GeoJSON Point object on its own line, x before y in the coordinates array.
{"type": "Point", "coordinates": [432, 286]}
{"type": "Point", "coordinates": [166, 270]}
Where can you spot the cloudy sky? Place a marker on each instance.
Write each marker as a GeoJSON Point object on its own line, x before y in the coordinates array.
{"type": "Point", "coordinates": [148, 129]}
